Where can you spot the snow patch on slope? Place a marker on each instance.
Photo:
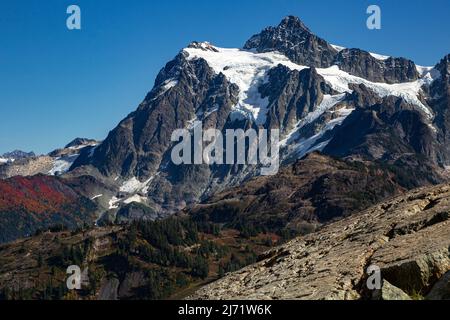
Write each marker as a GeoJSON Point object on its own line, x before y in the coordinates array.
{"type": "Point", "coordinates": [165, 86]}
{"type": "Point", "coordinates": [133, 185]}
{"type": "Point", "coordinates": [248, 71]}
{"type": "Point", "coordinates": [337, 48]}
{"type": "Point", "coordinates": [114, 203]}
{"type": "Point", "coordinates": [308, 145]}
{"type": "Point", "coordinates": [339, 80]}
{"type": "Point", "coordinates": [379, 56]}
{"type": "Point", "coordinates": [135, 198]}
{"type": "Point", "coordinates": [62, 164]}
{"type": "Point", "coordinates": [429, 74]}
{"type": "Point", "coordinates": [92, 151]}
{"type": "Point", "coordinates": [97, 196]}
{"type": "Point", "coordinates": [327, 103]}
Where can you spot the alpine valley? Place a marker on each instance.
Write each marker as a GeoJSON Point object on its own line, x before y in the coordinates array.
{"type": "Point", "coordinates": [363, 179]}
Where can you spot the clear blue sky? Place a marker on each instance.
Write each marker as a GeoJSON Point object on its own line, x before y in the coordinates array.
{"type": "Point", "coordinates": [57, 84]}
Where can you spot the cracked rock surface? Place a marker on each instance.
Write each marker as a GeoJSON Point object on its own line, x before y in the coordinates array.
{"type": "Point", "coordinates": [407, 237]}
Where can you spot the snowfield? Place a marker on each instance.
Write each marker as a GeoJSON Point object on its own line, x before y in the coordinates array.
{"type": "Point", "coordinates": [339, 80]}
{"type": "Point", "coordinates": [63, 164]}
{"type": "Point", "coordinates": [4, 160]}
{"type": "Point", "coordinates": [379, 56]}
{"type": "Point", "coordinates": [248, 70]}
{"type": "Point", "coordinates": [135, 198]}
{"type": "Point", "coordinates": [327, 103]}
{"type": "Point", "coordinates": [114, 203]}
{"type": "Point", "coordinates": [134, 185]}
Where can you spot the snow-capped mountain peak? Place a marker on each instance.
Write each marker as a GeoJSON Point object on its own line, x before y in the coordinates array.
{"type": "Point", "coordinates": [321, 97]}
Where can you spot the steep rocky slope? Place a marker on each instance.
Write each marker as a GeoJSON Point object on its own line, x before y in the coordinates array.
{"type": "Point", "coordinates": [407, 237]}
{"type": "Point", "coordinates": [302, 196]}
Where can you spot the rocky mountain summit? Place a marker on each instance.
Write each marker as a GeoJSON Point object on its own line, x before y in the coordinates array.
{"type": "Point", "coordinates": [406, 237]}
{"type": "Point", "coordinates": [292, 38]}
{"type": "Point", "coordinates": [17, 154]}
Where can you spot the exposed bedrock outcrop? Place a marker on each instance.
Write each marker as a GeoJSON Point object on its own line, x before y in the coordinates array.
{"type": "Point", "coordinates": [407, 237]}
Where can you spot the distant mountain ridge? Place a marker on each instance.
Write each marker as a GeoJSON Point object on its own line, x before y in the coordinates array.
{"type": "Point", "coordinates": [57, 162]}
{"type": "Point", "coordinates": [17, 154]}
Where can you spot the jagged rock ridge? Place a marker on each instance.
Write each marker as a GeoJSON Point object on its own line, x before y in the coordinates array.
{"type": "Point", "coordinates": [296, 41]}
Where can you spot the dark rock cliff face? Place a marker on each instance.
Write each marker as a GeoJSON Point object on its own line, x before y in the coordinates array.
{"type": "Point", "coordinates": [292, 95]}
{"type": "Point", "coordinates": [141, 144]}
{"type": "Point", "coordinates": [391, 131]}
{"type": "Point", "coordinates": [292, 38]}
{"type": "Point", "coordinates": [381, 131]}
{"type": "Point", "coordinates": [439, 101]}
{"type": "Point", "coordinates": [360, 63]}
{"type": "Point", "coordinates": [137, 145]}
